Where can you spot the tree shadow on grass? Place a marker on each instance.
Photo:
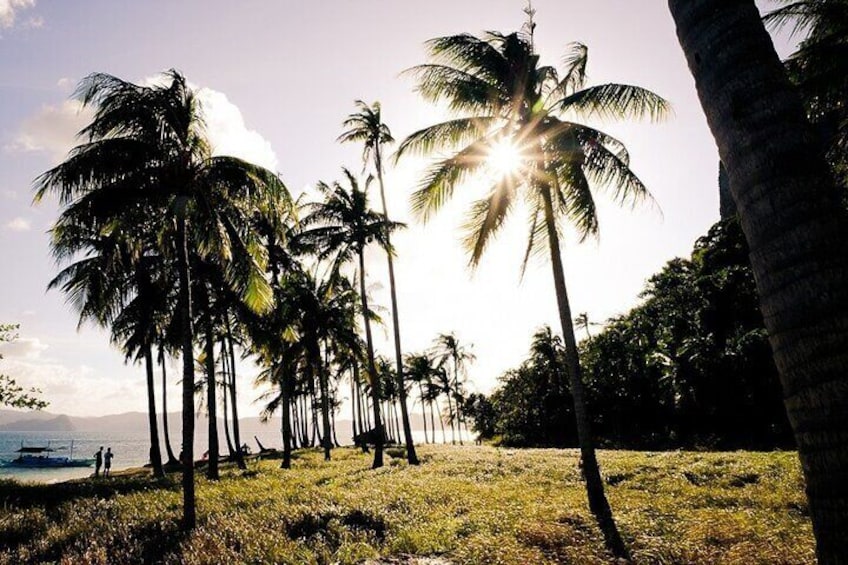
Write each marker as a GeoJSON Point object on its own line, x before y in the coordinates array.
{"type": "Point", "coordinates": [50, 496]}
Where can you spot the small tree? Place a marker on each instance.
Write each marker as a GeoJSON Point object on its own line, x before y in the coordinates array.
{"type": "Point", "coordinates": [12, 394]}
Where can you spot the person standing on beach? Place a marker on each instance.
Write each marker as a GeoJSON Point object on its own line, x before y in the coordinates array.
{"type": "Point", "coordinates": [98, 462]}
{"type": "Point", "coordinates": [107, 457]}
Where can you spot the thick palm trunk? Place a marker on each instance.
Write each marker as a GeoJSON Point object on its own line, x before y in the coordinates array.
{"type": "Point", "coordinates": [211, 389]}
{"type": "Point", "coordinates": [155, 451]}
{"type": "Point", "coordinates": [372, 369]}
{"type": "Point", "coordinates": [598, 503]}
{"type": "Point", "coordinates": [411, 456]}
{"type": "Point", "coordinates": [187, 344]}
{"type": "Point", "coordinates": [234, 398]}
{"type": "Point", "coordinates": [797, 234]}
{"type": "Point", "coordinates": [171, 458]}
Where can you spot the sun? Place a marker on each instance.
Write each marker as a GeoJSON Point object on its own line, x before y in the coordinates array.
{"type": "Point", "coordinates": [505, 158]}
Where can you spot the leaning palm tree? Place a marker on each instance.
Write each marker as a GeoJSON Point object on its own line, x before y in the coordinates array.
{"type": "Point", "coordinates": [516, 126]}
{"type": "Point", "coordinates": [146, 150]}
{"type": "Point", "coordinates": [366, 126]}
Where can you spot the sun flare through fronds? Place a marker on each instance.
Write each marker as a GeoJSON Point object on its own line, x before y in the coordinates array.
{"type": "Point", "coordinates": [505, 158]}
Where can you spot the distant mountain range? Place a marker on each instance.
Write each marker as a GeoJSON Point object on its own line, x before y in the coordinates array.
{"type": "Point", "coordinates": [34, 421]}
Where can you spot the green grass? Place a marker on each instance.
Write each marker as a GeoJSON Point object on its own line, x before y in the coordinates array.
{"type": "Point", "coordinates": [465, 504]}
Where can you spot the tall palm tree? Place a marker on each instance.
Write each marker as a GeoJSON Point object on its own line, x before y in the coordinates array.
{"type": "Point", "coordinates": [515, 114]}
{"type": "Point", "coordinates": [366, 126]}
{"type": "Point", "coordinates": [341, 227]}
{"type": "Point", "coordinates": [797, 234]}
{"type": "Point", "coordinates": [146, 150]}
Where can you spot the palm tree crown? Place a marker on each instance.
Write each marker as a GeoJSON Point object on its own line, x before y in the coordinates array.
{"type": "Point", "coordinates": [511, 104]}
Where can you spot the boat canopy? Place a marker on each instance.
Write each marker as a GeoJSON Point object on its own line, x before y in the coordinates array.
{"type": "Point", "coordinates": [34, 449]}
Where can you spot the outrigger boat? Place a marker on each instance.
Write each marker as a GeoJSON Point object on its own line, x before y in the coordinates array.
{"type": "Point", "coordinates": [42, 456]}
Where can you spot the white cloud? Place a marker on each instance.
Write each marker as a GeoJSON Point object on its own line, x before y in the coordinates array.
{"type": "Point", "coordinates": [52, 129]}
{"type": "Point", "coordinates": [76, 389]}
{"type": "Point", "coordinates": [228, 133]}
{"type": "Point", "coordinates": [65, 84]}
{"type": "Point", "coordinates": [18, 224]}
{"type": "Point", "coordinates": [9, 10]}
{"type": "Point", "coordinates": [23, 348]}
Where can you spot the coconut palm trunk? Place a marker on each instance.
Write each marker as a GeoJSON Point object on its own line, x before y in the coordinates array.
{"type": "Point", "coordinates": [155, 451]}
{"type": "Point", "coordinates": [379, 434]}
{"type": "Point", "coordinates": [286, 423]}
{"type": "Point", "coordinates": [187, 346]}
{"type": "Point", "coordinates": [225, 373]}
{"type": "Point", "coordinates": [598, 503]}
{"type": "Point", "coordinates": [797, 234]}
{"type": "Point", "coordinates": [411, 456]}
{"type": "Point", "coordinates": [451, 418]}
{"type": "Point", "coordinates": [423, 410]}
{"type": "Point", "coordinates": [211, 386]}
{"type": "Point", "coordinates": [171, 457]}
{"type": "Point", "coordinates": [234, 397]}
{"type": "Point", "coordinates": [354, 403]}
{"type": "Point", "coordinates": [323, 385]}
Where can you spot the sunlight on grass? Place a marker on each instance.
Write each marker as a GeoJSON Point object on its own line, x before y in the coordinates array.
{"type": "Point", "coordinates": [467, 505]}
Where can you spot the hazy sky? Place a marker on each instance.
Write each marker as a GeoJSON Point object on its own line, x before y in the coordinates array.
{"type": "Point", "coordinates": [278, 78]}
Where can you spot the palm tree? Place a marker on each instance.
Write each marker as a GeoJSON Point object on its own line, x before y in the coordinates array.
{"type": "Point", "coordinates": [448, 349]}
{"type": "Point", "coordinates": [146, 150]}
{"type": "Point", "coordinates": [366, 126]}
{"type": "Point", "coordinates": [113, 285]}
{"type": "Point", "coordinates": [341, 227]}
{"type": "Point", "coordinates": [819, 67]}
{"type": "Point", "coordinates": [515, 115]}
{"type": "Point", "coordinates": [796, 231]}
{"type": "Point", "coordinates": [421, 369]}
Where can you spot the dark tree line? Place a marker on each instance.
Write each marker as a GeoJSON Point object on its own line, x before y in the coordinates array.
{"type": "Point", "coordinates": [689, 367]}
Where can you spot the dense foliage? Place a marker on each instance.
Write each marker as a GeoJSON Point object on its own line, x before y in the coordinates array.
{"type": "Point", "coordinates": [689, 367]}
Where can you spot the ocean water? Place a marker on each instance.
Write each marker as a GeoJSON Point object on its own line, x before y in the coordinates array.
{"type": "Point", "coordinates": [131, 449]}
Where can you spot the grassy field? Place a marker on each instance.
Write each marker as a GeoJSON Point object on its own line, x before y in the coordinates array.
{"type": "Point", "coordinates": [462, 505]}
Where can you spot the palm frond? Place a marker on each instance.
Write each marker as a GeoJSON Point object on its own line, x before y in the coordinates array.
{"type": "Point", "coordinates": [485, 219]}
{"type": "Point", "coordinates": [445, 135]}
{"type": "Point", "coordinates": [616, 101]}
{"type": "Point", "coordinates": [442, 178]}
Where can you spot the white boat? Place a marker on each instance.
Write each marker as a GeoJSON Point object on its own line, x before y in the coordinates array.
{"type": "Point", "coordinates": [44, 457]}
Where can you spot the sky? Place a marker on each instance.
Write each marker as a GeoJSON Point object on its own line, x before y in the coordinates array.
{"type": "Point", "coordinates": [277, 78]}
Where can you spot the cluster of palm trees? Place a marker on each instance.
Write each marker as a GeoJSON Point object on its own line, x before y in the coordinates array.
{"type": "Point", "coordinates": [440, 375]}
{"type": "Point", "coordinates": [182, 253]}
{"type": "Point", "coordinates": [175, 249]}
